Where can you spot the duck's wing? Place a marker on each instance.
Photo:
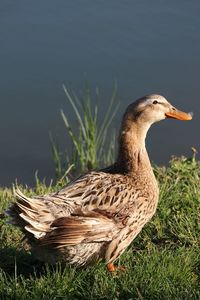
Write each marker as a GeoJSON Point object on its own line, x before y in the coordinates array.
{"type": "Point", "coordinates": [98, 198]}
{"type": "Point", "coordinates": [82, 228]}
{"type": "Point", "coordinates": [84, 211]}
{"type": "Point", "coordinates": [99, 191]}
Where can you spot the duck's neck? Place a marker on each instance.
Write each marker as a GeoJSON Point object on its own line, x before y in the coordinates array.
{"type": "Point", "coordinates": [132, 156]}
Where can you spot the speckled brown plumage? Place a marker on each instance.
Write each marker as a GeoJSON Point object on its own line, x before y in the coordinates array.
{"type": "Point", "coordinates": [99, 214]}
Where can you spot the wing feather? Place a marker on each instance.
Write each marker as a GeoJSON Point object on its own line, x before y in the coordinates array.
{"type": "Point", "coordinates": [79, 229]}
{"type": "Point", "coordinates": [98, 191]}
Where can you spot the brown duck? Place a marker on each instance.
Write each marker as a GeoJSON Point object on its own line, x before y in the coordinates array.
{"type": "Point", "coordinates": [99, 214]}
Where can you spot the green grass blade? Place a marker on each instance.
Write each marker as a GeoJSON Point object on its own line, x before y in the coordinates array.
{"type": "Point", "coordinates": [75, 110]}
{"type": "Point", "coordinates": [107, 119]}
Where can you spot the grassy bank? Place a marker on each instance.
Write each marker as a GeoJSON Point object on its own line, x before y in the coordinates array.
{"type": "Point", "coordinates": [162, 263]}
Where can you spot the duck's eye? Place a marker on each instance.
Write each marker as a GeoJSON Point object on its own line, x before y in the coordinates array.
{"type": "Point", "coordinates": [155, 102]}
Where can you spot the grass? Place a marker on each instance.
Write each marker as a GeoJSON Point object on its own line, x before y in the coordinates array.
{"type": "Point", "coordinates": [90, 145]}
{"type": "Point", "coordinates": [163, 262]}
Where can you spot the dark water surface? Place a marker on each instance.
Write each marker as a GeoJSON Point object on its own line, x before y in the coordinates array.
{"type": "Point", "coordinates": [147, 46]}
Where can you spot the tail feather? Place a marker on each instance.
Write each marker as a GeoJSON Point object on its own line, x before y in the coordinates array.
{"type": "Point", "coordinates": [34, 231]}
{"type": "Point", "coordinates": [29, 201]}
{"type": "Point", "coordinates": [30, 214]}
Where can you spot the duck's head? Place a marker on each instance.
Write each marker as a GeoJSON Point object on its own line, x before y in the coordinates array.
{"type": "Point", "coordinates": [154, 108]}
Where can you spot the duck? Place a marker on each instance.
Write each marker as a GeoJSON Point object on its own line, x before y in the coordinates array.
{"type": "Point", "coordinates": [98, 215]}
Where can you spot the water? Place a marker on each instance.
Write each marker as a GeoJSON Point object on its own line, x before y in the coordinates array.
{"type": "Point", "coordinates": [146, 46]}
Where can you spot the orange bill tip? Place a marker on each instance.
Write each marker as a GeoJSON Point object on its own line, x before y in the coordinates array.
{"type": "Point", "coordinates": [179, 115]}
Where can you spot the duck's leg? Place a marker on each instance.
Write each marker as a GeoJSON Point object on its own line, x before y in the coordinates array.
{"type": "Point", "coordinates": [112, 268]}
{"type": "Point", "coordinates": [119, 244]}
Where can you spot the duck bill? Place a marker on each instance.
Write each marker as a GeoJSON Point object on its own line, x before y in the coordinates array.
{"type": "Point", "coordinates": [179, 115]}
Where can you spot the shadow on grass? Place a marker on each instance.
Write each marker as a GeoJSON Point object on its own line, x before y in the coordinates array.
{"type": "Point", "coordinates": [14, 261]}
